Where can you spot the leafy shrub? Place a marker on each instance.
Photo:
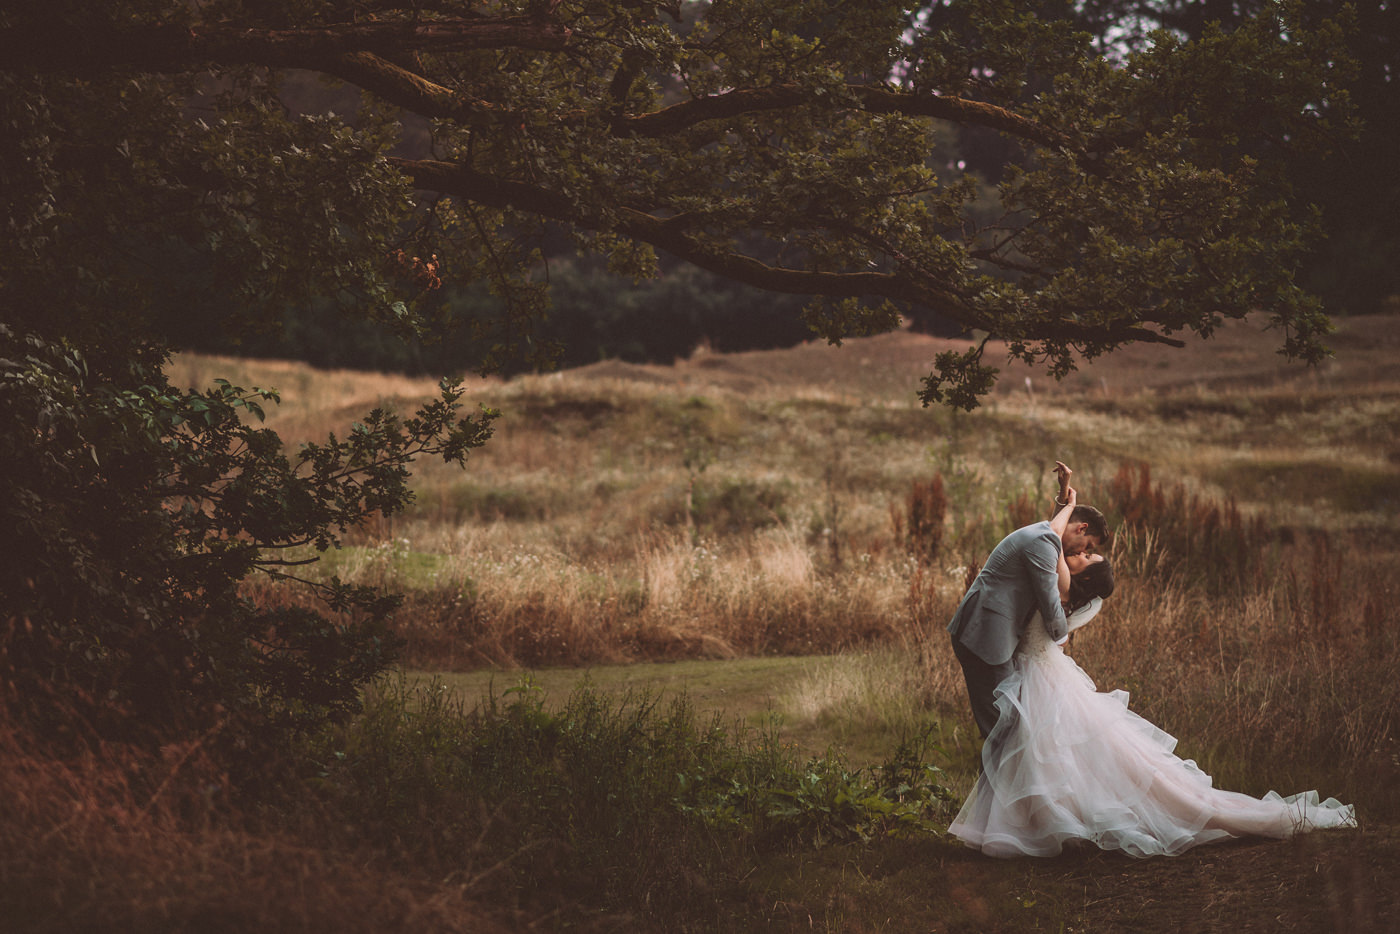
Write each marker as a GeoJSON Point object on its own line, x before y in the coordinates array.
{"type": "Point", "coordinates": [133, 511]}
{"type": "Point", "coordinates": [473, 501]}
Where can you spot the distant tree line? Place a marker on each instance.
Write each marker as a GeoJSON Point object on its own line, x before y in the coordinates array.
{"type": "Point", "coordinates": [595, 316]}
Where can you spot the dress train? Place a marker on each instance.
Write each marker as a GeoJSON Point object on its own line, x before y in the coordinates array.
{"type": "Point", "coordinates": [1066, 762]}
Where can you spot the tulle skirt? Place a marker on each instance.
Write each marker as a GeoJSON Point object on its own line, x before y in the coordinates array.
{"type": "Point", "coordinates": [1068, 763]}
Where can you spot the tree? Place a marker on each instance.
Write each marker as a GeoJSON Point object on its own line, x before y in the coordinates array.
{"type": "Point", "coordinates": [1351, 267]}
{"type": "Point", "coordinates": [781, 144]}
{"type": "Point", "coordinates": [147, 160]}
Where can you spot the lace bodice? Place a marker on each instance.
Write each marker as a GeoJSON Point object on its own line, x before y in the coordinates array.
{"type": "Point", "coordinates": [1036, 641]}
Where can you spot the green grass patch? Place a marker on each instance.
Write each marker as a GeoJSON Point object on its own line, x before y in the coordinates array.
{"type": "Point", "coordinates": [1355, 488]}
{"type": "Point", "coordinates": [391, 560]}
{"type": "Point", "coordinates": [864, 704]}
{"type": "Point", "coordinates": [610, 801]}
{"type": "Point", "coordinates": [751, 689]}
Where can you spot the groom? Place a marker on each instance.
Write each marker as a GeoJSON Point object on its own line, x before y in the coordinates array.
{"type": "Point", "coordinates": [1020, 577]}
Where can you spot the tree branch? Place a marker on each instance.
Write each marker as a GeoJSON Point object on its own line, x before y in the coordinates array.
{"type": "Point", "coordinates": [870, 98]}
{"type": "Point", "coordinates": [360, 53]}
{"type": "Point", "coordinates": [404, 88]}
{"type": "Point", "coordinates": [674, 236]}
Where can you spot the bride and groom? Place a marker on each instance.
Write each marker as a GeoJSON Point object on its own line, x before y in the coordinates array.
{"type": "Point", "coordinates": [1062, 762]}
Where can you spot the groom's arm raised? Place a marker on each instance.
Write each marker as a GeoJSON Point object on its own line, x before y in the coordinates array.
{"type": "Point", "coordinates": [1042, 557]}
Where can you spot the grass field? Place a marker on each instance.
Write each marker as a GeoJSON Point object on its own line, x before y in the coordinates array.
{"type": "Point", "coordinates": [780, 537]}
{"type": "Point", "coordinates": [758, 505]}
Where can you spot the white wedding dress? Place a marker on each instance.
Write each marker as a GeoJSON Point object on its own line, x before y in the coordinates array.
{"type": "Point", "coordinates": [1068, 763]}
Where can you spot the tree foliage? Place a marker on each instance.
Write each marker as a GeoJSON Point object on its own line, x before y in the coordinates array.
{"type": "Point", "coordinates": [782, 144]}
{"type": "Point", "coordinates": [133, 510]}
{"type": "Point", "coordinates": [149, 160]}
{"type": "Point", "coordinates": [1351, 267]}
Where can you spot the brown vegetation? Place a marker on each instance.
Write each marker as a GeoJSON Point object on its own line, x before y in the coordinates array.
{"type": "Point", "coordinates": [801, 503]}
{"type": "Point", "coordinates": [116, 839]}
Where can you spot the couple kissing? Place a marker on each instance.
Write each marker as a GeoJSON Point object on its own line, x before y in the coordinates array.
{"type": "Point", "coordinates": [1063, 763]}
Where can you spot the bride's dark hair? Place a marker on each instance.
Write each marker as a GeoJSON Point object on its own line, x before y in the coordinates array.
{"type": "Point", "coordinates": [1095, 580]}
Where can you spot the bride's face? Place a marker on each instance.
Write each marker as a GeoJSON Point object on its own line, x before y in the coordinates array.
{"type": "Point", "coordinates": [1078, 563]}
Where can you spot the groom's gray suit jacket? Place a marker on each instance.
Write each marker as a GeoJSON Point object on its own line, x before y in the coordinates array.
{"type": "Point", "coordinates": [1019, 578]}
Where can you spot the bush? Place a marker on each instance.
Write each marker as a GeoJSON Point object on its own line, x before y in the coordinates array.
{"type": "Point", "coordinates": [737, 506]}
{"type": "Point", "coordinates": [133, 513]}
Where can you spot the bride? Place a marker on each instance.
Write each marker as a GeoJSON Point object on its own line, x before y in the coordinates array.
{"type": "Point", "coordinates": [1067, 763]}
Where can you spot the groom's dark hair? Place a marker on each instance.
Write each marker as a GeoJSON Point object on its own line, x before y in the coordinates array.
{"type": "Point", "coordinates": [1098, 525]}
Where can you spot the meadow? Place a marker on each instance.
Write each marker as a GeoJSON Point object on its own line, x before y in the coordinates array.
{"type": "Point", "coordinates": [745, 562]}
{"type": "Point", "coordinates": [778, 504]}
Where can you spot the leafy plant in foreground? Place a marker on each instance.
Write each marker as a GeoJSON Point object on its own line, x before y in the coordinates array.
{"type": "Point", "coordinates": [133, 511]}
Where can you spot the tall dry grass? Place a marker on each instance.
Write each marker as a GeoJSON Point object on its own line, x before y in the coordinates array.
{"type": "Point", "coordinates": [664, 597]}
{"type": "Point", "coordinates": [615, 520]}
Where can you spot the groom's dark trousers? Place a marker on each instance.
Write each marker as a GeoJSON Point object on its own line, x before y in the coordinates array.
{"type": "Point", "coordinates": [982, 680]}
{"type": "Point", "coordinates": [1018, 579]}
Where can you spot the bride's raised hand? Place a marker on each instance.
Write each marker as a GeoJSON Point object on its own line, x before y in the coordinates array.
{"type": "Point", "coordinates": [1062, 473]}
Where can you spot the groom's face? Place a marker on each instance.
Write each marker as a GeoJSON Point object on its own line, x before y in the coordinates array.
{"type": "Point", "coordinates": [1078, 540]}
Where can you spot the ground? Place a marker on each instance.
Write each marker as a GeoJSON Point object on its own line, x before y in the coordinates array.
{"type": "Point", "coordinates": [1340, 881]}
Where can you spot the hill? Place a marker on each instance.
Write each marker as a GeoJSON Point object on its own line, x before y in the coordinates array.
{"type": "Point", "coordinates": [1241, 354]}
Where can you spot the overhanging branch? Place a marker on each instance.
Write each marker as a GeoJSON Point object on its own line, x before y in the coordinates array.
{"type": "Point", "coordinates": [411, 91]}
{"type": "Point", "coordinates": [675, 237]}
{"type": "Point", "coordinates": [669, 235]}
{"type": "Point", "coordinates": [364, 53]}
{"type": "Point", "coordinates": [870, 98]}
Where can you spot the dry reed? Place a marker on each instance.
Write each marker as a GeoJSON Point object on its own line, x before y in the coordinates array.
{"type": "Point", "coordinates": [579, 536]}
